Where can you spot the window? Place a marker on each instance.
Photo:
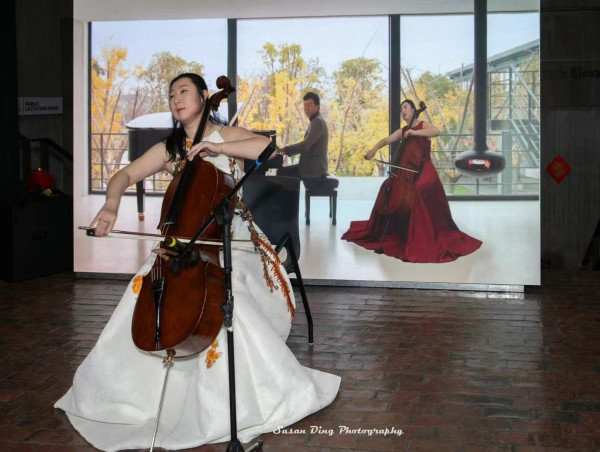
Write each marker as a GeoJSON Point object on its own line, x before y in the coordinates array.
{"type": "Point", "coordinates": [437, 67]}
{"type": "Point", "coordinates": [131, 66]}
{"type": "Point", "coordinates": [279, 60]}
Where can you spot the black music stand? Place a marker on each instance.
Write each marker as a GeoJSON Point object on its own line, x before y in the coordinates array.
{"type": "Point", "coordinates": [223, 216]}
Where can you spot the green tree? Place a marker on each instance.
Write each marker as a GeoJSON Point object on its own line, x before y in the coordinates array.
{"type": "Point", "coordinates": [358, 91]}
{"type": "Point", "coordinates": [162, 68]}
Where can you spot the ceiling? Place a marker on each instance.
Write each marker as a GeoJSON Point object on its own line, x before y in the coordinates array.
{"type": "Point", "coordinates": [102, 10]}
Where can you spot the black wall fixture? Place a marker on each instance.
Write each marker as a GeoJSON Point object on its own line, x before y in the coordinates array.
{"type": "Point", "coordinates": [480, 162]}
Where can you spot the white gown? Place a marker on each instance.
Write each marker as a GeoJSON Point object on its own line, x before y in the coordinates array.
{"type": "Point", "coordinates": [116, 390]}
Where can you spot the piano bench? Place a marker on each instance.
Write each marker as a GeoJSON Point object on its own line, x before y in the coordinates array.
{"type": "Point", "coordinates": [321, 186]}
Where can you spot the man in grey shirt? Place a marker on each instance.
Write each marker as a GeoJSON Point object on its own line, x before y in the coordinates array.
{"type": "Point", "coordinates": [313, 149]}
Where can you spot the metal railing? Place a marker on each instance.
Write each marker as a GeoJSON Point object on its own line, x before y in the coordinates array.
{"type": "Point", "coordinates": [514, 106]}
{"type": "Point", "coordinates": [520, 178]}
{"type": "Point", "coordinates": [109, 152]}
{"type": "Point", "coordinates": [49, 155]}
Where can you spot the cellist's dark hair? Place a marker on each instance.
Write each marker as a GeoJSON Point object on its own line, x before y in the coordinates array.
{"type": "Point", "coordinates": [175, 142]}
{"type": "Point", "coordinates": [409, 102]}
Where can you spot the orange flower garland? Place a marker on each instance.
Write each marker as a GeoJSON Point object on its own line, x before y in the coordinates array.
{"type": "Point", "coordinates": [137, 284]}
{"type": "Point", "coordinates": [212, 354]}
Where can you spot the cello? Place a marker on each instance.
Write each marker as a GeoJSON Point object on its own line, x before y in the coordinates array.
{"type": "Point", "coordinates": [398, 190]}
{"type": "Point", "coordinates": [179, 312]}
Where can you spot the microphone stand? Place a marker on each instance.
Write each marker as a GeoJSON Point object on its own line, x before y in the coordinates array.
{"type": "Point", "coordinates": [223, 216]}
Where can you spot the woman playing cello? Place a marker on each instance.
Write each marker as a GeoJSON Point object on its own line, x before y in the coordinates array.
{"type": "Point", "coordinates": [426, 231]}
{"type": "Point", "coordinates": [116, 391]}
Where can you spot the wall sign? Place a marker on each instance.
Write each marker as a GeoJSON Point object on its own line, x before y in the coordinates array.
{"type": "Point", "coordinates": [40, 106]}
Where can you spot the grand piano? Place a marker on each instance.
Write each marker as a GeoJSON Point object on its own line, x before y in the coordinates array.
{"type": "Point", "coordinates": [143, 133]}
{"type": "Point", "coordinates": [147, 130]}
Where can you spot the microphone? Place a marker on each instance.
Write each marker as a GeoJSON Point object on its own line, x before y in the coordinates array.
{"type": "Point", "coordinates": [173, 244]}
{"type": "Point", "coordinates": [266, 153]}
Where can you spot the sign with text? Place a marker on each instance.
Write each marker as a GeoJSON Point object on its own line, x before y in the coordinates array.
{"type": "Point", "coordinates": [40, 106]}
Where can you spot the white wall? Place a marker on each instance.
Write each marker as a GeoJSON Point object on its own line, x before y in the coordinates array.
{"type": "Point", "coordinates": [80, 133]}
{"type": "Point", "coordinates": [93, 10]}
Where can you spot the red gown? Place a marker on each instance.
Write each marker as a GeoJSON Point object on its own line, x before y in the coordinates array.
{"type": "Point", "coordinates": [428, 233]}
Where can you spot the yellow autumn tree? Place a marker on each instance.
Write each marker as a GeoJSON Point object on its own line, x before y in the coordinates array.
{"type": "Point", "coordinates": [358, 96]}
{"type": "Point", "coordinates": [374, 127]}
{"type": "Point", "coordinates": [108, 76]}
{"type": "Point", "coordinates": [274, 99]}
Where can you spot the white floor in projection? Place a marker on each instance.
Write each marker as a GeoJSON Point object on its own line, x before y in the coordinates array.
{"type": "Point", "coordinates": [510, 253]}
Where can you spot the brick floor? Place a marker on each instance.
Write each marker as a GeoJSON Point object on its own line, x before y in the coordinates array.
{"type": "Point", "coordinates": [453, 371]}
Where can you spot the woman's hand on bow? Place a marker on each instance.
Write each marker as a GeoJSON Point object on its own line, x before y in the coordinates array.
{"type": "Point", "coordinates": [104, 220]}
{"type": "Point", "coordinates": [370, 154]}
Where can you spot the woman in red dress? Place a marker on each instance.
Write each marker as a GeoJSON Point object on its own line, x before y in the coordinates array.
{"type": "Point", "coordinates": [428, 233]}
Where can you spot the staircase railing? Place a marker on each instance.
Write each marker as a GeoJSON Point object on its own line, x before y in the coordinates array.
{"type": "Point", "coordinates": [521, 111]}
{"type": "Point", "coordinates": [47, 154]}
